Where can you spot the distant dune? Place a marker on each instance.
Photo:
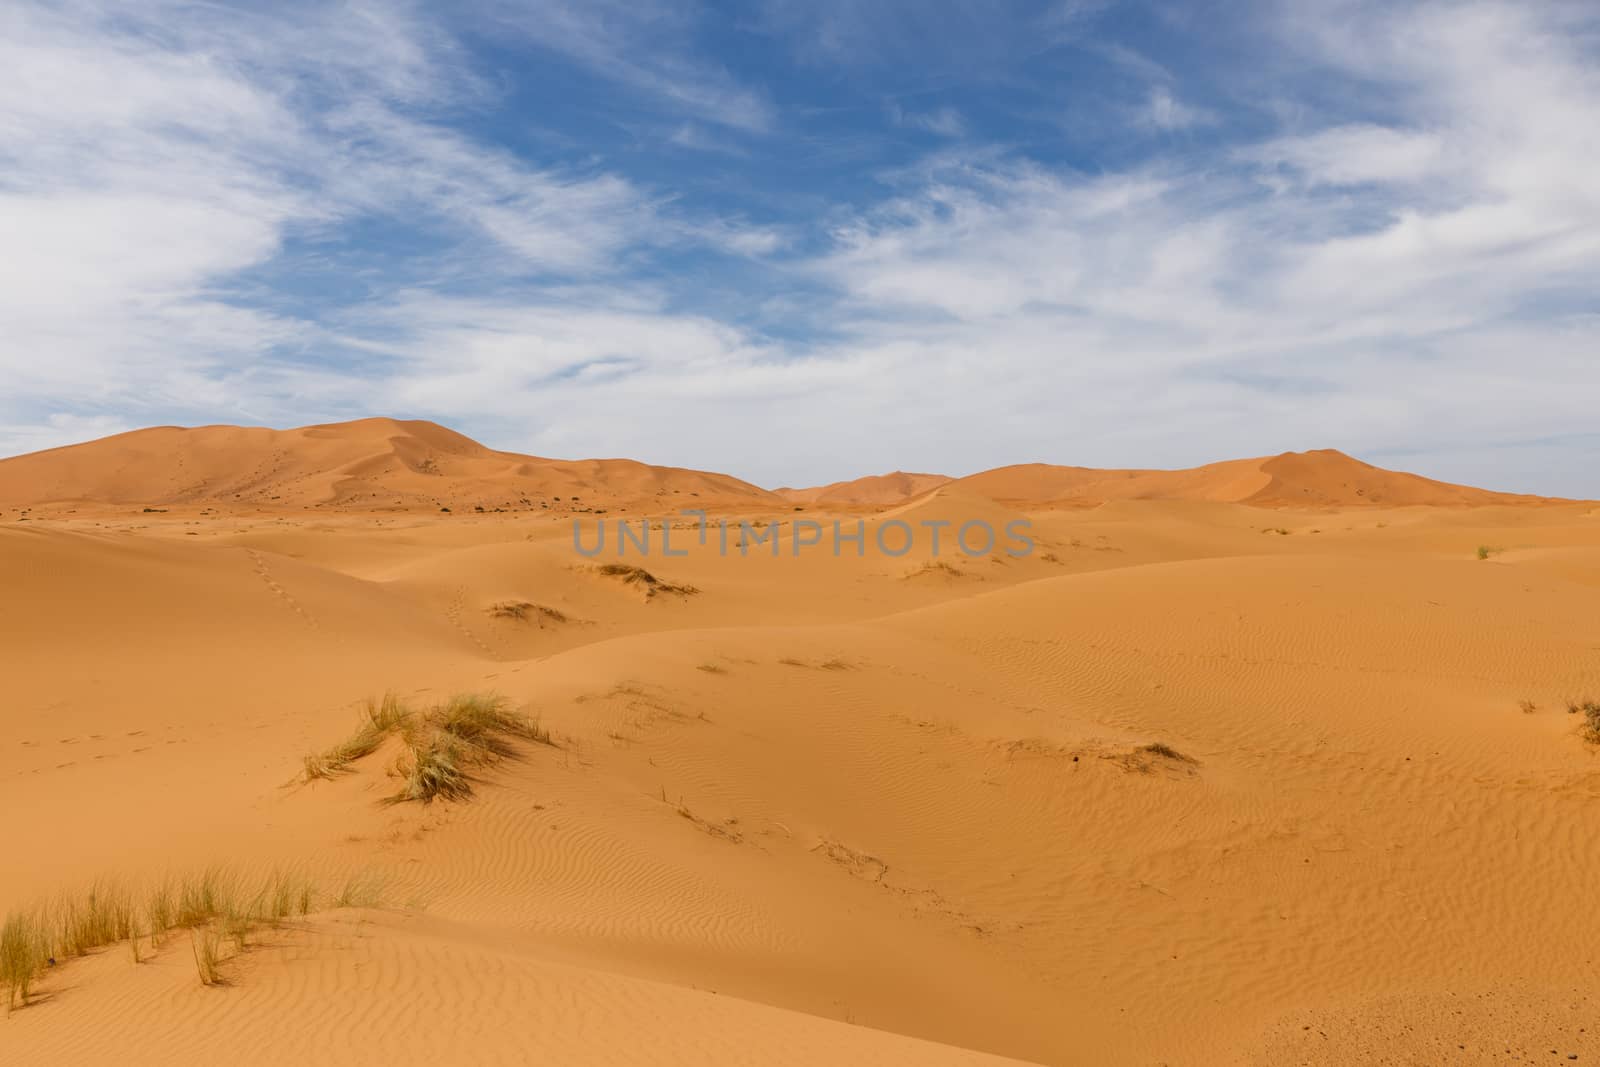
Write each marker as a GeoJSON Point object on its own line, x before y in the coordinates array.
{"type": "Point", "coordinates": [1320, 478]}
{"type": "Point", "coordinates": [876, 490]}
{"type": "Point", "coordinates": [382, 464]}
{"type": "Point", "coordinates": [369, 464]}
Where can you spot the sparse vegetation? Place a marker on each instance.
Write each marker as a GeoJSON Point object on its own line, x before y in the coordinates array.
{"type": "Point", "coordinates": [638, 576]}
{"type": "Point", "coordinates": [442, 744]}
{"type": "Point", "coordinates": [211, 904]}
{"type": "Point", "coordinates": [380, 719]}
{"type": "Point", "coordinates": [1528, 707]}
{"type": "Point", "coordinates": [712, 668]}
{"type": "Point", "coordinates": [447, 742]}
{"type": "Point", "coordinates": [1590, 710]}
{"type": "Point", "coordinates": [206, 943]}
{"type": "Point", "coordinates": [1165, 751]}
{"type": "Point", "coordinates": [522, 611]}
{"type": "Point", "coordinates": [937, 566]}
{"type": "Point", "coordinates": [1485, 551]}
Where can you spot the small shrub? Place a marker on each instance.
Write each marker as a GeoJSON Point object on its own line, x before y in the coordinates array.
{"type": "Point", "coordinates": [1590, 710]}
{"type": "Point", "coordinates": [1528, 707]}
{"type": "Point", "coordinates": [1485, 551]}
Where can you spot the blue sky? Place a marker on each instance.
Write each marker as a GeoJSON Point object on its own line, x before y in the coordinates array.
{"type": "Point", "coordinates": [802, 241]}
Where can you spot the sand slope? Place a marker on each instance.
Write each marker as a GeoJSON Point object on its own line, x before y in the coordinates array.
{"type": "Point", "coordinates": [875, 490]}
{"type": "Point", "coordinates": [834, 808]}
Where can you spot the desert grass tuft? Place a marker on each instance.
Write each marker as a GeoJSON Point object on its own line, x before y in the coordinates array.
{"type": "Point", "coordinates": [381, 718]}
{"type": "Point", "coordinates": [206, 942]}
{"type": "Point", "coordinates": [211, 904]}
{"type": "Point", "coordinates": [364, 889]}
{"type": "Point", "coordinates": [22, 955]}
{"type": "Point", "coordinates": [435, 770]}
{"type": "Point", "coordinates": [442, 745]}
{"type": "Point", "coordinates": [523, 610]}
{"type": "Point", "coordinates": [652, 585]}
{"type": "Point", "coordinates": [453, 738]}
{"type": "Point", "coordinates": [1165, 751]}
{"type": "Point", "coordinates": [1590, 710]}
{"type": "Point", "coordinates": [484, 722]}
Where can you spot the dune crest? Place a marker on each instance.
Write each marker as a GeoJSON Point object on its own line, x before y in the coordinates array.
{"type": "Point", "coordinates": [383, 464]}
{"type": "Point", "coordinates": [877, 489]}
{"type": "Point", "coordinates": [1319, 478]}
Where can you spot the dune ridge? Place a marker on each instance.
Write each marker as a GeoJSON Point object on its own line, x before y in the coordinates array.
{"type": "Point", "coordinates": [382, 464]}
{"type": "Point", "coordinates": [370, 464]}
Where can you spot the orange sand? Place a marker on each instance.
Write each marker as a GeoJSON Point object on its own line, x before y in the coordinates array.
{"type": "Point", "coordinates": [853, 809]}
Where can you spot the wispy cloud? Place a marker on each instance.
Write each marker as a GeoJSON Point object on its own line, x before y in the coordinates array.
{"type": "Point", "coordinates": [944, 121]}
{"type": "Point", "coordinates": [1165, 111]}
{"type": "Point", "coordinates": [221, 216]}
{"type": "Point", "coordinates": [645, 45]}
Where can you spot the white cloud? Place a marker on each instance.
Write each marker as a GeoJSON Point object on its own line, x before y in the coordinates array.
{"type": "Point", "coordinates": [635, 43]}
{"type": "Point", "coordinates": [944, 121]}
{"type": "Point", "coordinates": [1409, 278]}
{"type": "Point", "coordinates": [1165, 111]}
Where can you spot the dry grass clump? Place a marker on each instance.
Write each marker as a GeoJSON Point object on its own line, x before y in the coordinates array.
{"type": "Point", "coordinates": [212, 904]}
{"type": "Point", "coordinates": [652, 585]}
{"type": "Point", "coordinates": [1165, 751]}
{"type": "Point", "coordinates": [449, 741]}
{"type": "Point", "coordinates": [443, 745]}
{"type": "Point", "coordinates": [1590, 710]}
{"type": "Point", "coordinates": [381, 718]}
{"type": "Point", "coordinates": [523, 610]}
{"type": "Point", "coordinates": [1146, 759]}
{"type": "Point", "coordinates": [936, 566]}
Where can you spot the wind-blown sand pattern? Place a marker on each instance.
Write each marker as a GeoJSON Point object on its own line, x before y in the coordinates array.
{"type": "Point", "coordinates": [1257, 763]}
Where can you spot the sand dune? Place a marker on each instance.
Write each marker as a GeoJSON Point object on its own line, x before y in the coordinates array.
{"type": "Point", "coordinates": [392, 465]}
{"type": "Point", "coordinates": [1323, 478]}
{"type": "Point", "coordinates": [371, 464]}
{"type": "Point", "coordinates": [875, 490]}
{"type": "Point", "coordinates": [1191, 782]}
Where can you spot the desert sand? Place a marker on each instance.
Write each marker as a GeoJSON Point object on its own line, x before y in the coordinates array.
{"type": "Point", "coordinates": [1265, 762]}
